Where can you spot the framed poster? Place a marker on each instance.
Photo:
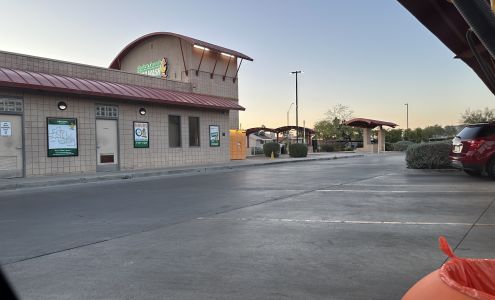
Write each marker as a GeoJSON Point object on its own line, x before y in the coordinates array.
{"type": "Point", "coordinates": [62, 137]}
{"type": "Point", "coordinates": [214, 136]}
{"type": "Point", "coordinates": [141, 135]}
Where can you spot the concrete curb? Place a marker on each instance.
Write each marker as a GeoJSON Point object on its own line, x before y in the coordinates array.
{"type": "Point", "coordinates": [155, 173]}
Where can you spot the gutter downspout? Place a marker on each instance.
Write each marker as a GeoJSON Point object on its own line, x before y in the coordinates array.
{"type": "Point", "coordinates": [479, 15]}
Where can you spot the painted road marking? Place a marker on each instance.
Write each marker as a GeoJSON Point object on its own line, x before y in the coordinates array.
{"type": "Point", "coordinates": [397, 191]}
{"type": "Point", "coordinates": [364, 222]}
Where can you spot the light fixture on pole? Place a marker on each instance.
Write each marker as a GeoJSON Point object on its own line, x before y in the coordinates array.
{"type": "Point", "coordinates": [407, 115]}
{"type": "Point", "coordinates": [297, 108]}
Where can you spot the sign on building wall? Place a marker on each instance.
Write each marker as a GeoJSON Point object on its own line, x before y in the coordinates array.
{"type": "Point", "coordinates": [62, 137]}
{"type": "Point", "coordinates": [214, 136]}
{"type": "Point", "coordinates": [5, 128]}
{"type": "Point", "coordinates": [141, 135]}
{"type": "Point", "coordinates": [157, 68]}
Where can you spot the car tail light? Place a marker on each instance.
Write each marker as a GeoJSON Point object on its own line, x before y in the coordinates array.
{"type": "Point", "coordinates": [474, 144]}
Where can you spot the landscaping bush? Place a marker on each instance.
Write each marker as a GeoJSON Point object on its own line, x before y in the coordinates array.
{"type": "Point", "coordinates": [389, 146]}
{"type": "Point", "coordinates": [402, 145]}
{"type": "Point", "coordinates": [268, 148]}
{"type": "Point", "coordinates": [434, 155]}
{"type": "Point", "coordinates": [298, 150]}
{"type": "Point", "coordinates": [327, 148]}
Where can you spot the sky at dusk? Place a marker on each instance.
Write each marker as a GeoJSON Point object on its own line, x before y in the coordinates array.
{"type": "Point", "coordinates": [372, 56]}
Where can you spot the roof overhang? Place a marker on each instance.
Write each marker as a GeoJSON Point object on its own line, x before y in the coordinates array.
{"type": "Point", "coordinates": [116, 62]}
{"type": "Point", "coordinates": [27, 80]}
{"type": "Point", "coordinates": [368, 123]}
{"type": "Point", "coordinates": [446, 23]}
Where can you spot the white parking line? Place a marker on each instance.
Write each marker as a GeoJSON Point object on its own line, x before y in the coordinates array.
{"type": "Point", "coordinates": [396, 191]}
{"type": "Point", "coordinates": [365, 222]}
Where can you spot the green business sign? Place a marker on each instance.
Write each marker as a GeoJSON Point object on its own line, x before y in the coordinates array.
{"type": "Point", "coordinates": [141, 135]}
{"type": "Point", "coordinates": [62, 137]}
{"type": "Point", "coordinates": [214, 136]}
{"type": "Point", "coordinates": [156, 68]}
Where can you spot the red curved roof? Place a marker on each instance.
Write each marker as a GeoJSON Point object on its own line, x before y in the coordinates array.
{"type": "Point", "coordinates": [72, 85]}
{"type": "Point", "coordinates": [368, 123]}
{"type": "Point", "coordinates": [128, 48]}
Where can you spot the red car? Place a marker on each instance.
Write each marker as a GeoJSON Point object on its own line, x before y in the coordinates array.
{"type": "Point", "coordinates": [473, 149]}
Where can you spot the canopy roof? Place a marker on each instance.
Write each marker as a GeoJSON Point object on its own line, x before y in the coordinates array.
{"type": "Point", "coordinates": [72, 85]}
{"type": "Point", "coordinates": [116, 62]}
{"type": "Point", "coordinates": [278, 130]}
{"type": "Point", "coordinates": [368, 123]}
{"type": "Point", "coordinates": [446, 23]}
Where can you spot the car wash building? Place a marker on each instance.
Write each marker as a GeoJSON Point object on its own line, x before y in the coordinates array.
{"type": "Point", "coordinates": [166, 100]}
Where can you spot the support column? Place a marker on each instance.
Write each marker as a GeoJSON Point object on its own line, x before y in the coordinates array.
{"type": "Point", "coordinates": [367, 146]}
{"type": "Point", "coordinates": [381, 139]}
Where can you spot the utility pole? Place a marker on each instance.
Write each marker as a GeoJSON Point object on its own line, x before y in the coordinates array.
{"type": "Point", "coordinates": [297, 108]}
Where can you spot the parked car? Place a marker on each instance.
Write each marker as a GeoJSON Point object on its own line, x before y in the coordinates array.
{"type": "Point", "coordinates": [473, 149]}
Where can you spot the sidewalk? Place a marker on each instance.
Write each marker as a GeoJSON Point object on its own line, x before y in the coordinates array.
{"type": "Point", "coordinates": [33, 182]}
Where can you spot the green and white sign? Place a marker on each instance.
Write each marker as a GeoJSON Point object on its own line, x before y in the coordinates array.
{"type": "Point", "coordinates": [62, 137]}
{"type": "Point", "coordinates": [155, 68]}
{"type": "Point", "coordinates": [214, 136]}
{"type": "Point", "coordinates": [141, 135]}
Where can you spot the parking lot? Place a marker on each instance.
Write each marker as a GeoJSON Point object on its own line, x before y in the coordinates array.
{"type": "Point", "coordinates": [357, 228]}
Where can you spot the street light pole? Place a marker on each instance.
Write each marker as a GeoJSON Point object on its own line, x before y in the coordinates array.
{"type": "Point", "coordinates": [407, 115]}
{"type": "Point", "coordinates": [297, 109]}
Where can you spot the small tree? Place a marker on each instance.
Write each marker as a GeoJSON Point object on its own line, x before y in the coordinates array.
{"type": "Point", "coordinates": [393, 135]}
{"type": "Point", "coordinates": [478, 116]}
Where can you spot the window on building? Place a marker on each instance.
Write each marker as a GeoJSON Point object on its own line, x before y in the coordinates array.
{"type": "Point", "coordinates": [174, 134]}
{"type": "Point", "coordinates": [193, 132]}
{"type": "Point", "coordinates": [107, 111]}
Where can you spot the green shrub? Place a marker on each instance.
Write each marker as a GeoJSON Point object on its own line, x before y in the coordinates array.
{"type": "Point", "coordinates": [327, 148]}
{"type": "Point", "coordinates": [348, 148]}
{"type": "Point", "coordinates": [268, 148]}
{"type": "Point", "coordinates": [434, 155]}
{"type": "Point", "coordinates": [389, 146]}
{"type": "Point", "coordinates": [402, 145]}
{"type": "Point", "coordinates": [298, 150]}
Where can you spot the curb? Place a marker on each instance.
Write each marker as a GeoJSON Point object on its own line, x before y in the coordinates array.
{"type": "Point", "coordinates": [130, 176]}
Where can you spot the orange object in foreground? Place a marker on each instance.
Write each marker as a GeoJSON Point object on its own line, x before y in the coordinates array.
{"type": "Point", "coordinates": [457, 279]}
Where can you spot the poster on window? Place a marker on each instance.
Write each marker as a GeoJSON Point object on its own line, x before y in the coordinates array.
{"type": "Point", "coordinates": [214, 136]}
{"type": "Point", "coordinates": [62, 137]}
{"type": "Point", "coordinates": [141, 135]}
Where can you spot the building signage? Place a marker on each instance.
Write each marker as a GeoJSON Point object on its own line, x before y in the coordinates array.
{"type": "Point", "coordinates": [62, 137]}
{"type": "Point", "coordinates": [141, 135]}
{"type": "Point", "coordinates": [5, 128]}
{"type": "Point", "coordinates": [214, 136]}
{"type": "Point", "coordinates": [157, 68]}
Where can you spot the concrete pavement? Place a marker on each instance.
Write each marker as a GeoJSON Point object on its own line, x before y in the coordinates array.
{"type": "Point", "coordinates": [253, 161]}
{"type": "Point", "coordinates": [360, 228]}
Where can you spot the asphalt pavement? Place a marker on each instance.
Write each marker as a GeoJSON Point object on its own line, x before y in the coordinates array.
{"type": "Point", "coordinates": [357, 228]}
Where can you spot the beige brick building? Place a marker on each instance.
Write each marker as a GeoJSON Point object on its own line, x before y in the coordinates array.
{"type": "Point", "coordinates": [167, 100]}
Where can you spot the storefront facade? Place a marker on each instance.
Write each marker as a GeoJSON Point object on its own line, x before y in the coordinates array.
{"type": "Point", "coordinates": [65, 118]}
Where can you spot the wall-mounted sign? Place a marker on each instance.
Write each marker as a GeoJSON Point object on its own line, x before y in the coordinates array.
{"type": "Point", "coordinates": [5, 128]}
{"type": "Point", "coordinates": [157, 68]}
{"type": "Point", "coordinates": [62, 137]}
{"type": "Point", "coordinates": [141, 135]}
{"type": "Point", "coordinates": [214, 136]}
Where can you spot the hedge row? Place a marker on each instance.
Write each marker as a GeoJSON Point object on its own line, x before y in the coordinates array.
{"type": "Point", "coordinates": [434, 155]}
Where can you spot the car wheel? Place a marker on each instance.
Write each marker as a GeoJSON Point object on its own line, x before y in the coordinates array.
{"type": "Point", "coordinates": [473, 173]}
{"type": "Point", "coordinates": [490, 168]}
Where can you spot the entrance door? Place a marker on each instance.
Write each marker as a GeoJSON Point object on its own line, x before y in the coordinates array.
{"type": "Point", "coordinates": [107, 156]}
{"type": "Point", "coordinates": [10, 146]}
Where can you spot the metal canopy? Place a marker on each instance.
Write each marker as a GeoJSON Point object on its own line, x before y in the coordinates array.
{"type": "Point", "coordinates": [368, 123]}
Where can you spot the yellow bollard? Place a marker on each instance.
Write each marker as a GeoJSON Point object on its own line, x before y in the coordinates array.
{"type": "Point", "coordinates": [273, 156]}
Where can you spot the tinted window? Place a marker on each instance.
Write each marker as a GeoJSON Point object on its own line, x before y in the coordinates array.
{"type": "Point", "coordinates": [487, 131]}
{"type": "Point", "coordinates": [469, 132]}
{"type": "Point", "coordinates": [194, 131]}
{"type": "Point", "coordinates": [174, 137]}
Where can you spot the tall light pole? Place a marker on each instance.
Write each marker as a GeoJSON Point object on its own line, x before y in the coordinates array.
{"type": "Point", "coordinates": [407, 115]}
{"type": "Point", "coordinates": [297, 109]}
{"type": "Point", "coordinates": [288, 113]}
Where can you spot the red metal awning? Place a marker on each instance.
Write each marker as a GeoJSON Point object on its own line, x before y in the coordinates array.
{"type": "Point", "coordinates": [71, 85]}
{"type": "Point", "coordinates": [368, 123]}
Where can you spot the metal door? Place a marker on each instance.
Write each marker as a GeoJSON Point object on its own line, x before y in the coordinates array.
{"type": "Point", "coordinates": [11, 164]}
{"type": "Point", "coordinates": [107, 157]}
